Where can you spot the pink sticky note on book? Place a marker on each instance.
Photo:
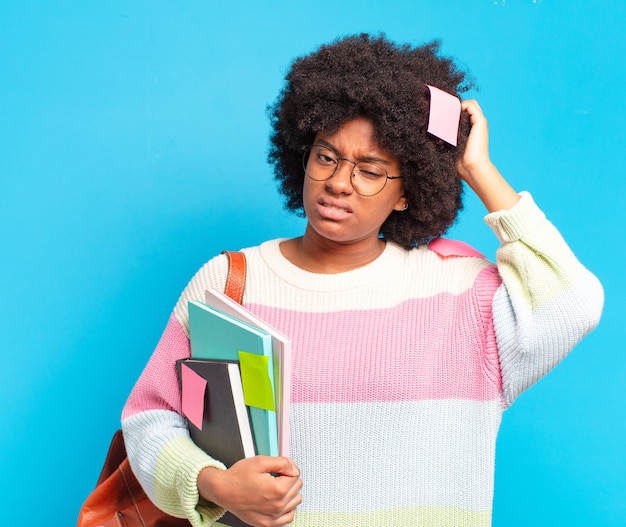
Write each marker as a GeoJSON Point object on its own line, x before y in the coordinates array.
{"type": "Point", "coordinates": [194, 390]}
{"type": "Point", "coordinates": [444, 115]}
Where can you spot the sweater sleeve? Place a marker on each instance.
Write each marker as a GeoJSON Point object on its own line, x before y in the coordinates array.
{"type": "Point", "coordinates": [161, 453]}
{"type": "Point", "coordinates": [548, 300]}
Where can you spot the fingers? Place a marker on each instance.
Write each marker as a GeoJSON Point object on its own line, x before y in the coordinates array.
{"type": "Point", "coordinates": [269, 464]}
{"type": "Point", "coordinates": [288, 482]}
{"type": "Point", "coordinates": [471, 106]}
{"type": "Point", "coordinates": [279, 465]}
{"type": "Point", "coordinates": [290, 511]}
{"type": "Point", "coordinates": [286, 509]}
{"type": "Point", "coordinates": [474, 110]}
{"type": "Point", "coordinates": [289, 487]}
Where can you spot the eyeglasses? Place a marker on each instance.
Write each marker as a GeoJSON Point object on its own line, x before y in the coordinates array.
{"type": "Point", "coordinates": [367, 178]}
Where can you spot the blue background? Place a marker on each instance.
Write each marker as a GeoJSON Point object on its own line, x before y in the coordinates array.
{"type": "Point", "coordinates": [133, 138]}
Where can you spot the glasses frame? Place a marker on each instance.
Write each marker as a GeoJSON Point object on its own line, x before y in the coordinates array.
{"type": "Point", "coordinates": [305, 160]}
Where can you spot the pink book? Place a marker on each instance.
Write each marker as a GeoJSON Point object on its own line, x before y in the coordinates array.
{"type": "Point", "coordinates": [281, 350]}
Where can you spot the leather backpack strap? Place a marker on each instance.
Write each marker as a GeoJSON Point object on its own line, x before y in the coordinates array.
{"type": "Point", "coordinates": [236, 279]}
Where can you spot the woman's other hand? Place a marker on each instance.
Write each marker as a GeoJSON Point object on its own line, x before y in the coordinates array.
{"type": "Point", "coordinates": [262, 491]}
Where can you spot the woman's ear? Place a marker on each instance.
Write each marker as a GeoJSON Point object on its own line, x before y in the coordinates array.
{"type": "Point", "coordinates": [402, 205]}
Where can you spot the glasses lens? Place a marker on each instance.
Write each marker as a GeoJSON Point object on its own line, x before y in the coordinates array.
{"type": "Point", "coordinates": [320, 163]}
{"type": "Point", "coordinates": [369, 178]}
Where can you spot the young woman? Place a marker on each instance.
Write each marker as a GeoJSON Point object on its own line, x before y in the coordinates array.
{"type": "Point", "coordinates": [405, 354]}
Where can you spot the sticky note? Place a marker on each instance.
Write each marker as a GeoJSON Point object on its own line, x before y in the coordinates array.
{"type": "Point", "coordinates": [446, 247]}
{"type": "Point", "coordinates": [194, 390]}
{"type": "Point", "coordinates": [257, 386]}
{"type": "Point", "coordinates": [444, 115]}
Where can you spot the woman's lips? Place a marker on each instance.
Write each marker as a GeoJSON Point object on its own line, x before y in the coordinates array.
{"type": "Point", "coordinates": [333, 209]}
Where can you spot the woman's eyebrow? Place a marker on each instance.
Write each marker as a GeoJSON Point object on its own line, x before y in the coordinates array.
{"type": "Point", "coordinates": [371, 158]}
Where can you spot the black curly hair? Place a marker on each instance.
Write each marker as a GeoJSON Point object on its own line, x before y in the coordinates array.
{"type": "Point", "coordinates": [370, 76]}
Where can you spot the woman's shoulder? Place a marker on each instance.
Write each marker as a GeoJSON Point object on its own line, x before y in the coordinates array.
{"type": "Point", "coordinates": [443, 265]}
{"type": "Point", "coordinates": [211, 275]}
{"type": "Point", "coordinates": [444, 252]}
{"type": "Point", "coordinates": [218, 263]}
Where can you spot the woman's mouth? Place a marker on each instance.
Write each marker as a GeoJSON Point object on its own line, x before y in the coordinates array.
{"type": "Point", "coordinates": [333, 209]}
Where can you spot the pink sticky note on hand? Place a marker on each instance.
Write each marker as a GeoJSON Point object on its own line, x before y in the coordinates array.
{"type": "Point", "coordinates": [444, 115]}
{"type": "Point", "coordinates": [194, 390]}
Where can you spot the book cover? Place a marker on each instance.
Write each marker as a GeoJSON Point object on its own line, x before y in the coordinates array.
{"type": "Point", "coordinates": [218, 336]}
{"type": "Point", "coordinates": [213, 402]}
{"type": "Point", "coordinates": [281, 353]}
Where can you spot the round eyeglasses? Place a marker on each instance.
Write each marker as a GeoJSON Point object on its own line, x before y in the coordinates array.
{"type": "Point", "coordinates": [367, 177]}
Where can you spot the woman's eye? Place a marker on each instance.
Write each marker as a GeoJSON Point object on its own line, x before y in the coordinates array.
{"type": "Point", "coordinates": [327, 160]}
{"type": "Point", "coordinates": [371, 172]}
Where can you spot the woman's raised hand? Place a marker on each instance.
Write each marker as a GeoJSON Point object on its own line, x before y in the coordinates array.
{"type": "Point", "coordinates": [475, 166]}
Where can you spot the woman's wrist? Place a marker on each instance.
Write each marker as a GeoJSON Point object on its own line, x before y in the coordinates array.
{"type": "Point", "coordinates": [207, 483]}
{"type": "Point", "coordinates": [490, 186]}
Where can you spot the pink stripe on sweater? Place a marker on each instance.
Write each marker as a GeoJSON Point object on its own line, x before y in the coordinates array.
{"type": "Point", "coordinates": [160, 372]}
{"type": "Point", "coordinates": [432, 348]}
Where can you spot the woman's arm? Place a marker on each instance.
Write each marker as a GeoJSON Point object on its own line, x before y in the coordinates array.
{"type": "Point", "coordinates": [177, 475]}
{"type": "Point", "coordinates": [548, 300]}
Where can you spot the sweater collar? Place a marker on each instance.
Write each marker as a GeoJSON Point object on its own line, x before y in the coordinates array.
{"type": "Point", "coordinates": [301, 279]}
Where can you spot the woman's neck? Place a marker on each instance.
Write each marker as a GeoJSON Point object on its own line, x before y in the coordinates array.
{"type": "Point", "coordinates": [317, 254]}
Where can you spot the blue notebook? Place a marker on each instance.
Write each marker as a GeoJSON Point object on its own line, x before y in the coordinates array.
{"type": "Point", "coordinates": [281, 349]}
{"type": "Point", "coordinates": [216, 335]}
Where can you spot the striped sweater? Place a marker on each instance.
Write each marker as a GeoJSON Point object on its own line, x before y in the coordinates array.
{"type": "Point", "coordinates": [401, 372]}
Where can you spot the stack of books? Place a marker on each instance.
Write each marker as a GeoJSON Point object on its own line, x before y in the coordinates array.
{"type": "Point", "coordinates": [236, 385]}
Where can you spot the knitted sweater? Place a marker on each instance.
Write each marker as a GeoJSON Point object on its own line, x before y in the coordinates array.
{"type": "Point", "coordinates": [401, 371]}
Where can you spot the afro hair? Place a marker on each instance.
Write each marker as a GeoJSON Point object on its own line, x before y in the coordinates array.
{"type": "Point", "coordinates": [372, 77]}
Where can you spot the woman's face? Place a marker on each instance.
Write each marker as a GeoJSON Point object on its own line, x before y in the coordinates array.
{"type": "Point", "coordinates": [333, 208]}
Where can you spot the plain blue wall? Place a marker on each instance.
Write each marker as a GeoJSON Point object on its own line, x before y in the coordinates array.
{"type": "Point", "coordinates": [133, 138]}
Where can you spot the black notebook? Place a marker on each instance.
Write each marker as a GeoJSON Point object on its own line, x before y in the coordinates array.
{"type": "Point", "coordinates": [220, 424]}
{"type": "Point", "coordinates": [224, 432]}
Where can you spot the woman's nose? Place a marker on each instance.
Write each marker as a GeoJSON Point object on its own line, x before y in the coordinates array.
{"type": "Point", "coordinates": [341, 180]}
